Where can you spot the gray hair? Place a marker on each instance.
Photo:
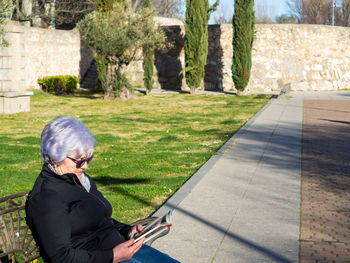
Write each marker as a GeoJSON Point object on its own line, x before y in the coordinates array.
{"type": "Point", "coordinates": [63, 136]}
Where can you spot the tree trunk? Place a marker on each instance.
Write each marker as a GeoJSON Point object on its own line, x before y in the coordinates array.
{"type": "Point", "coordinates": [109, 92]}
{"type": "Point", "coordinates": [125, 94]}
{"type": "Point", "coordinates": [193, 90]}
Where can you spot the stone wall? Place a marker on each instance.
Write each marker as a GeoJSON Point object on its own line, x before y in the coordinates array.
{"type": "Point", "coordinates": [52, 52]}
{"type": "Point", "coordinates": [309, 57]}
{"type": "Point", "coordinates": [36, 52]}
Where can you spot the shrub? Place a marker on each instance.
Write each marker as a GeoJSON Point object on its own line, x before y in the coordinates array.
{"type": "Point", "coordinates": [59, 84]}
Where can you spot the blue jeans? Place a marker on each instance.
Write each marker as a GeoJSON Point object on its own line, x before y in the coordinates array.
{"type": "Point", "coordinates": [148, 254]}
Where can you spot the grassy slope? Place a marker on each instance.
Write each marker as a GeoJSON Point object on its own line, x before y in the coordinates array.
{"type": "Point", "coordinates": [146, 149]}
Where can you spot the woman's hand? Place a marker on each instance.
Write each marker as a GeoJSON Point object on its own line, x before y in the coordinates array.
{"type": "Point", "coordinates": [135, 230]}
{"type": "Point", "coordinates": [126, 250]}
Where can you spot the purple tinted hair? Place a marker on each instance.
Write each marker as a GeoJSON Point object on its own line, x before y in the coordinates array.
{"type": "Point", "coordinates": [63, 136]}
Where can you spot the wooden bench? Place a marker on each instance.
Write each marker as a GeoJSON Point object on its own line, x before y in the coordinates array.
{"type": "Point", "coordinates": [16, 241]}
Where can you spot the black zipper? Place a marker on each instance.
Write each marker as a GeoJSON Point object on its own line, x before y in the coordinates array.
{"type": "Point", "coordinates": [99, 199]}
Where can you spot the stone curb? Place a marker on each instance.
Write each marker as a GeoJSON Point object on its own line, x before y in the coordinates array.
{"type": "Point", "coordinates": [201, 92]}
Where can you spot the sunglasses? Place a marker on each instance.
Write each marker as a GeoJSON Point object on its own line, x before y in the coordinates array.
{"type": "Point", "coordinates": [80, 163]}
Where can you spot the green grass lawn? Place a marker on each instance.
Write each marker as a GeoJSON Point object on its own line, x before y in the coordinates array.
{"type": "Point", "coordinates": [146, 149]}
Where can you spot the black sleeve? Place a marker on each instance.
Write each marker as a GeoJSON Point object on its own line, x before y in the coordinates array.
{"type": "Point", "coordinates": [124, 229]}
{"type": "Point", "coordinates": [51, 225]}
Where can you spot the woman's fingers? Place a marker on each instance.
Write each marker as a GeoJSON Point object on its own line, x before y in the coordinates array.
{"type": "Point", "coordinates": [137, 245]}
{"type": "Point", "coordinates": [139, 228]}
{"type": "Point", "coordinates": [135, 230]}
{"type": "Point", "coordinates": [126, 250]}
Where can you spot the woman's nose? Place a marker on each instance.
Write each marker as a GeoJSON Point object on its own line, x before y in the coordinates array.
{"type": "Point", "coordinates": [85, 166]}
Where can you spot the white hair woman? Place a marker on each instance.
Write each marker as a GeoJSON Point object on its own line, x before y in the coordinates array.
{"type": "Point", "coordinates": [69, 218]}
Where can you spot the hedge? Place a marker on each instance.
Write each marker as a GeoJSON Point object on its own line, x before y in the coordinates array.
{"type": "Point", "coordinates": [59, 84]}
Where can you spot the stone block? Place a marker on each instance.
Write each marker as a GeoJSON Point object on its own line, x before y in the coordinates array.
{"type": "Point", "coordinates": [5, 86]}
{"type": "Point", "coordinates": [5, 74]}
{"type": "Point", "coordinates": [14, 102]}
{"type": "Point", "coordinates": [5, 62]}
{"type": "Point", "coordinates": [5, 52]}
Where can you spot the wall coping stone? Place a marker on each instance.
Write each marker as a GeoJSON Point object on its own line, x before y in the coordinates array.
{"type": "Point", "coordinates": [14, 94]}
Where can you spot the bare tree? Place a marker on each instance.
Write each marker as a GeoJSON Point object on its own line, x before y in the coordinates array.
{"type": "Point", "coordinates": [170, 8]}
{"type": "Point", "coordinates": [320, 11]}
{"type": "Point", "coordinates": [64, 14]}
{"type": "Point", "coordinates": [166, 8]}
{"type": "Point", "coordinates": [343, 14]}
{"type": "Point", "coordinates": [56, 13]}
{"type": "Point", "coordinates": [263, 13]}
{"type": "Point", "coordinates": [69, 12]}
{"type": "Point", "coordinates": [311, 11]}
{"type": "Point", "coordinates": [222, 15]}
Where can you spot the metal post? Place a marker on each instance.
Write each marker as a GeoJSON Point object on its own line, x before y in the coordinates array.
{"type": "Point", "coordinates": [333, 3]}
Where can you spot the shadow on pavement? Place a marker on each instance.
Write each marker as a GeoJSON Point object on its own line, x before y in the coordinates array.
{"type": "Point", "coordinates": [250, 244]}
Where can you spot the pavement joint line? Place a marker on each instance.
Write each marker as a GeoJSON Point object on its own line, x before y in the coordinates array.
{"type": "Point", "coordinates": [174, 201]}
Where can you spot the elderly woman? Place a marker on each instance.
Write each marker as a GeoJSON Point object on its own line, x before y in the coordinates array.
{"type": "Point", "coordinates": [70, 219]}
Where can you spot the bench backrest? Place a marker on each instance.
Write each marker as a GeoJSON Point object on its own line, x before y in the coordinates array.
{"type": "Point", "coordinates": [15, 236]}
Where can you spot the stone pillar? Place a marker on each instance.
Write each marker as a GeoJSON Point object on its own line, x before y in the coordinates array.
{"type": "Point", "coordinates": [13, 96]}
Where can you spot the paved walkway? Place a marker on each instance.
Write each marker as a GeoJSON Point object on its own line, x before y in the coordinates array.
{"type": "Point", "coordinates": [243, 205]}
{"type": "Point", "coordinates": [325, 217]}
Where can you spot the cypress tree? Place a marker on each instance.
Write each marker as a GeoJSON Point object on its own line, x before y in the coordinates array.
{"type": "Point", "coordinates": [243, 36]}
{"type": "Point", "coordinates": [196, 41]}
{"type": "Point", "coordinates": [148, 58]}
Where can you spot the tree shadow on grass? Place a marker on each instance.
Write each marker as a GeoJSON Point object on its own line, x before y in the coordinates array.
{"type": "Point", "coordinates": [113, 181]}
{"type": "Point", "coordinates": [115, 185]}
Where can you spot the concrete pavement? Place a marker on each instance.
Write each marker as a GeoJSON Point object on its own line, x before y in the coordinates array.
{"type": "Point", "coordinates": [243, 205]}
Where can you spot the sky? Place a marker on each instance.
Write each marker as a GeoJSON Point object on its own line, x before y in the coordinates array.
{"type": "Point", "coordinates": [273, 8]}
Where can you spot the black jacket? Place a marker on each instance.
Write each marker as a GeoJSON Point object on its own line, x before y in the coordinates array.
{"type": "Point", "coordinates": [70, 224]}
